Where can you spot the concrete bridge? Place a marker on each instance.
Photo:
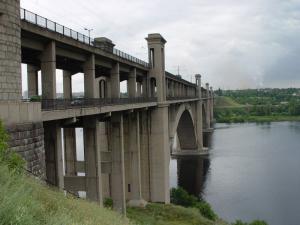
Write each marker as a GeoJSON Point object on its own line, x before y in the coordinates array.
{"type": "Point", "coordinates": [128, 141]}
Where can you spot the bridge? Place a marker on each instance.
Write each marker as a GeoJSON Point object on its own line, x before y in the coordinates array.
{"type": "Point", "coordinates": [128, 139]}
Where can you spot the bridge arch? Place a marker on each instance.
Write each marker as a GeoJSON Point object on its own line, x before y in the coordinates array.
{"type": "Point", "coordinates": [183, 128]}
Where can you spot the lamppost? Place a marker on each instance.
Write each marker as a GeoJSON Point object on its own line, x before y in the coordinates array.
{"type": "Point", "coordinates": [89, 30]}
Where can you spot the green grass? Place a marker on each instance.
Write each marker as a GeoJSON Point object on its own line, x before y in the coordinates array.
{"type": "Point", "coordinates": [160, 214]}
{"type": "Point", "coordinates": [241, 119]}
{"type": "Point", "coordinates": [226, 102]}
{"type": "Point", "coordinates": [26, 201]}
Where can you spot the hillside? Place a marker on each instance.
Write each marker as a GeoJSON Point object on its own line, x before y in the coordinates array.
{"type": "Point", "coordinates": [226, 102]}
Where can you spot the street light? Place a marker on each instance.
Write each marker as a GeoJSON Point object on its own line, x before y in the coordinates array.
{"type": "Point", "coordinates": [88, 30]}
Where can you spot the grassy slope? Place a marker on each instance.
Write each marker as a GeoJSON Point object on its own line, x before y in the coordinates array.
{"type": "Point", "coordinates": [26, 201]}
{"type": "Point", "coordinates": [159, 214]}
{"type": "Point", "coordinates": [226, 102]}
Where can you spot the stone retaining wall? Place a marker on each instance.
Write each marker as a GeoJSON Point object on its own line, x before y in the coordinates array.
{"type": "Point", "coordinates": [28, 140]}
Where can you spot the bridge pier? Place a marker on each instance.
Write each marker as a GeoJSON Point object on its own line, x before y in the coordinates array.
{"type": "Point", "coordinates": [118, 168]}
{"type": "Point", "coordinates": [32, 80]}
{"type": "Point", "coordinates": [199, 125]}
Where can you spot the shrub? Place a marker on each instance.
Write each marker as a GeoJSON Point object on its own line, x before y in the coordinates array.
{"type": "Point", "coordinates": [35, 98]}
{"type": "Point", "coordinates": [180, 197]}
{"type": "Point", "coordinates": [206, 210]}
{"type": "Point", "coordinates": [255, 222]}
{"type": "Point", "coordinates": [108, 203]}
{"type": "Point", "coordinates": [14, 161]}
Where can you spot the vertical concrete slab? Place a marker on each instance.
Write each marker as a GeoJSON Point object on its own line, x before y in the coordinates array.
{"type": "Point", "coordinates": [53, 154]}
{"type": "Point", "coordinates": [115, 81]}
{"type": "Point", "coordinates": [207, 101]}
{"type": "Point", "coordinates": [118, 173]}
{"type": "Point", "coordinates": [138, 89]}
{"type": "Point", "coordinates": [70, 151]}
{"type": "Point", "coordinates": [48, 69]}
{"type": "Point", "coordinates": [89, 77]}
{"type": "Point", "coordinates": [132, 83]}
{"type": "Point", "coordinates": [67, 84]}
{"type": "Point", "coordinates": [199, 125]}
{"type": "Point", "coordinates": [135, 161]}
{"type": "Point", "coordinates": [145, 86]}
{"type": "Point", "coordinates": [32, 80]}
{"type": "Point", "coordinates": [92, 156]}
{"type": "Point", "coordinates": [159, 155]}
{"type": "Point", "coordinates": [211, 104]}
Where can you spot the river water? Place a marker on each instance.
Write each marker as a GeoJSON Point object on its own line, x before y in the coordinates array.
{"type": "Point", "coordinates": [252, 172]}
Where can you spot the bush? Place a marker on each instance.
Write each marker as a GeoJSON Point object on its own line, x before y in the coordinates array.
{"type": "Point", "coordinates": [14, 161]}
{"type": "Point", "coordinates": [35, 98]}
{"type": "Point", "coordinates": [180, 197]}
{"type": "Point", "coordinates": [206, 210]}
{"type": "Point", "coordinates": [255, 222]}
{"type": "Point", "coordinates": [108, 203]}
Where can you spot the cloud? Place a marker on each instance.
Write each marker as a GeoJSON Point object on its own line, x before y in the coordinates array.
{"type": "Point", "coordinates": [233, 44]}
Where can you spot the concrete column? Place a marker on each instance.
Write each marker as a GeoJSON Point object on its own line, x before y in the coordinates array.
{"type": "Point", "coordinates": [159, 155]}
{"type": "Point", "coordinates": [145, 153]}
{"type": "Point", "coordinates": [135, 159]}
{"type": "Point", "coordinates": [70, 151]}
{"type": "Point", "coordinates": [92, 156]}
{"type": "Point", "coordinates": [32, 80]}
{"type": "Point", "coordinates": [108, 87]}
{"type": "Point", "coordinates": [10, 50]}
{"type": "Point", "coordinates": [156, 50]}
{"type": "Point", "coordinates": [131, 84]}
{"type": "Point", "coordinates": [145, 86]}
{"type": "Point", "coordinates": [89, 77]}
{"type": "Point", "coordinates": [115, 81]}
{"type": "Point", "coordinates": [199, 125]}
{"type": "Point", "coordinates": [48, 69]}
{"type": "Point", "coordinates": [138, 89]}
{"type": "Point", "coordinates": [207, 115]}
{"type": "Point", "coordinates": [118, 170]}
{"type": "Point", "coordinates": [53, 154]}
{"type": "Point", "coordinates": [67, 84]}
{"type": "Point", "coordinates": [211, 104]}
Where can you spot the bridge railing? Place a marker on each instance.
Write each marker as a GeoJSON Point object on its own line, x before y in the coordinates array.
{"type": "Point", "coordinates": [181, 98]}
{"type": "Point", "coordinates": [61, 104]}
{"type": "Point", "coordinates": [58, 28]}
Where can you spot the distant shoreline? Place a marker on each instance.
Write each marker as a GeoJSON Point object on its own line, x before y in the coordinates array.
{"type": "Point", "coordinates": [246, 119]}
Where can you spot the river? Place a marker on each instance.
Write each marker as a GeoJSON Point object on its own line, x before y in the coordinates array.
{"type": "Point", "coordinates": [252, 172]}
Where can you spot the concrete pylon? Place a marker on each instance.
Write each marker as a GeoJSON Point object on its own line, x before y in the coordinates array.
{"type": "Point", "coordinates": [115, 81]}
{"type": "Point", "coordinates": [207, 115]}
{"type": "Point", "coordinates": [32, 80]}
{"type": "Point", "coordinates": [211, 104]}
{"type": "Point", "coordinates": [118, 168]}
{"type": "Point", "coordinates": [53, 153]}
{"type": "Point", "coordinates": [92, 156]}
{"type": "Point", "coordinates": [67, 84]}
{"type": "Point", "coordinates": [89, 77]}
{"type": "Point", "coordinates": [132, 83]}
{"type": "Point", "coordinates": [135, 161]}
{"type": "Point", "coordinates": [48, 69]}
{"type": "Point", "coordinates": [156, 54]}
{"type": "Point", "coordinates": [199, 125]}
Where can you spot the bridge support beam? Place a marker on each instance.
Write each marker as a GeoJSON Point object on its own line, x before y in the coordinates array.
{"type": "Point", "coordinates": [199, 125]}
{"type": "Point", "coordinates": [115, 81]}
{"type": "Point", "coordinates": [207, 115]}
{"type": "Point", "coordinates": [53, 154]}
{"type": "Point", "coordinates": [135, 159]}
{"type": "Point", "coordinates": [91, 135]}
{"type": "Point", "coordinates": [118, 169]}
{"type": "Point", "coordinates": [48, 69]}
{"type": "Point", "coordinates": [67, 84]}
{"type": "Point", "coordinates": [32, 80]}
{"type": "Point", "coordinates": [132, 83]}
{"type": "Point", "coordinates": [159, 155]}
{"type": "Point", "coordinates": [89, 77]}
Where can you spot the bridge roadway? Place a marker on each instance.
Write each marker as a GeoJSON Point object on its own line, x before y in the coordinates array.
{"type": "Point", "coordinates": [128, 141]}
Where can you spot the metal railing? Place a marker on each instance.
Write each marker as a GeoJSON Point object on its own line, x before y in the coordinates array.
{"type": "Point", "coordinates": [61, 104]}
{"type": "Point", "coordinates": [58, 28]}
{"type": "Point", "coordinates": [169, 98]}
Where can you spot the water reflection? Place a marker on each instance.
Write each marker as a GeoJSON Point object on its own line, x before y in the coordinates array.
{"type": "Point", "coordinates": [191, 173]}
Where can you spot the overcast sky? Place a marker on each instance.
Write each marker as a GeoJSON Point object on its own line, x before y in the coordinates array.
{"type": "Point", "coordinates": [232, 43]}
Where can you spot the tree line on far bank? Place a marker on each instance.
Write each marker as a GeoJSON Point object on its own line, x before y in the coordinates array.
{"type": "Point", "coordinates": [257, 105]}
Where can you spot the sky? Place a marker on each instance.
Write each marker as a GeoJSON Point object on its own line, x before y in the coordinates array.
{"type": "Point", "coordinates": [233, 44]}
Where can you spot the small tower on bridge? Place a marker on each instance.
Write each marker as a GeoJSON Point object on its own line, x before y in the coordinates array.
{"type": "Point", "coordinates": [156, 52]}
